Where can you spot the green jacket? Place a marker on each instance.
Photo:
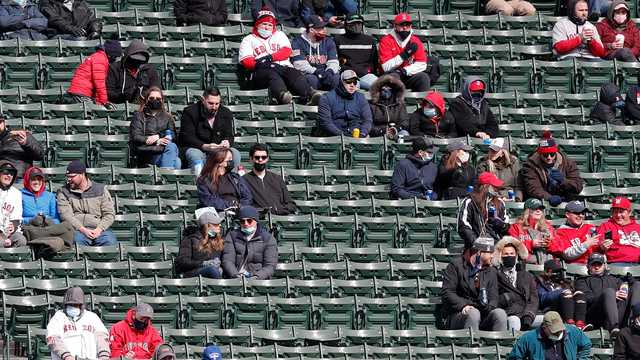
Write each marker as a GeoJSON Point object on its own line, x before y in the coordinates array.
{"type": "Point", "coordinates": [577, 345]}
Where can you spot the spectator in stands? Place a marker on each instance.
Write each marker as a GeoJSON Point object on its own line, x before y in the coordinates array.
{"type": "Point", "coordinates": [619, 34]}
{"type": "Point", "coordinates": [516, 286]}
{"type": "Point", "coordinates": [130, 76]}
{"type": "Point", "coordinates": [470, 290]}
{"type": "Point", "coordinates": [574, 36]}
{"type": "Point", "coordinates": [631, 109]}
{"type": "Point", "coordinates": [553, 340]}
{"type": "Point", "coordinates": [288, 11]}
{"type": "Point", "coordinates": [389, 113]}
{"type": "Point", "coordinates": [201, 249]}
{"type": "Point", "coordinates": [35, 197]}
{"type": "Point", "coordinates": [549, 174]}
{"type": "Point", "coordinates": [205, 12]}
{"type": "Point", "coordinates": [627, 344]}
{"type": "Point", "coordinates": [314, 54]}
{"type": "Point", "coordinates": [71, 19]}
{"type": "Point", "coordinates": [556, 293]}
{"type": "Point", "coordinates": [75, 332]}
{"type": "Point", "coordinates": [357, 51]}
{"type": "Point", "coordinates": [332, 11]}
{"type": "Point", "coordinates": [455, 173]}
{"type": "Point", "coordinates": [575, 240]}
{"type": "Point", "coordinates": [21, 19]}
{"type": "Point", "coordinates": [415, 175]}
{"type": "Point", "coordinates": [344, 111]}
{"type": "Point", "coordinates": [164, 352]}
{"type": "Point", "coordinates": [504, 165]}
{"type": "Point", "coordinates": [19, 147]}
{"type": "Point", "coordinates": [482, 212]}
{"type": "Point", "coordinates": [402, 54]}
{"type": "Point", "coordinates": [265, 54]}
{"type": "Point", "coordinates": [152, 132]}
{"type": "Point", "coordinates": [604, 111]}
{"type": "Point", "coordinates": [620, 235]}
{"type": "Point", "coordinates": [268, 190]}
{"type": "Point", "coordinates": [88, 206]}
{"type": "Point", "coordinates": [429, 118]}
{"type": "Point", "coordinates": [205, 127]}
{"type": "Point", "coordinates": [471, 113]}
{"type": "Point", "coordinates": [220, 187]}
{"type": "Point", "coordinates": [251, 251]}
{"type": "Point", "coordinates": [212, 352]}
{"type": "Point", "coordinates": [510, 7]}
{"type": "Point", "coordinates": [135, 337]}
{"type": "Point", "coordinates": [534, 230]}
{"type": "Point", "coordinates": [11, 205]}
{"type": "Point", "coordinates": [89, 82]}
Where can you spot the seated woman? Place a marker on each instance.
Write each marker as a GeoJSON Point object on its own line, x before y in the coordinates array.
{"type": "Point", "coordinates": [505, 166]}
{"type": "Point", "coordinates": [36, 199]}
{"type": "Point", "coordinates": [429, 118]}
{"type": "Point", "coordinates": [218, 186]}
{"type": "Point", "coordinates": [201, 250]}
{"type": "Point", "coordinates": [533, 230]}
{"type": "Point", "coordinates": [455, 172]}
{"type": "Point", "coordinates": [152, 131]}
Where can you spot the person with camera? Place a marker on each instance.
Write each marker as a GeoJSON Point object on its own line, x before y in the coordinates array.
{"type": "Point", "coordinates": [621, 234]}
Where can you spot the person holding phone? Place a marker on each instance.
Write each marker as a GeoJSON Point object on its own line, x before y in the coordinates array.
{"type": "Point", "coordinates": [620, 236]}
{"type": "Point", "coordinates": [575, 240]}
{"type": "Point", "coordinates": [534, 230]}
{"type": "Point", "coordinates": [575, 37]}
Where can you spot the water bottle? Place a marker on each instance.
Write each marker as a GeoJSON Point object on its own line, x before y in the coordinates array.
{"type": "Point", "coordinates": [492, 211]}
{"type": "Point", "coordinates": [429, 194]}
{"type": "Point", "coordinates": [168, 134]}
{"type": "Point", "coordinates": [624, 288]}
{"type": "Point", "coordinates": [484, 297]}
{"type": "Point", "coordinates": [197, 167]}
{"type": "Point", "coordinates": [469, 189]}
{"type": "Point", "coordinates": [512, 195]}
{"type": "Point", "coordinates": [487, 141]}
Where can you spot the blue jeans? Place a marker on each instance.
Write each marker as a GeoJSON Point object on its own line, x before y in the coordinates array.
{"type": "Point", "coordinates": [211, 272]}
{"type": "Point", "coordinates": [343, 7]}
{"type": "Point", "coordinates": [107, 238]}
{"type": "Point", "coordinates": [193, 155]}
{"type": "Point", "coordinates": [169, 158]}
{"type": "Point", "coordinates": [328, 83]}
{"type": "Point", "coordinates": [601, 6]}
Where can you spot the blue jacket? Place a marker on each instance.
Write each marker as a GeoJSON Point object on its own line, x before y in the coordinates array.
{"type": "Point", "coordinates": [577, 345]}
{"type": "Point", "coordinates": [339, 113]}
{"type": "Point", "coordinates": [45, 203]}
{"type": "Point", "coordinates": [547, 294]}
{"type": "Point", "coordinates": [232, 190]}
{"type": "Point", "coordinates": [22, 22]}
{"type": "Point", "coordinates": [412, 177]}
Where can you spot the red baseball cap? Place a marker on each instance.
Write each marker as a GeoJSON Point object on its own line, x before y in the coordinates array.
{"type": "Point", "coordinates": [487, 178]}
{"type": "Point", "coordinates": [476, 85]}
{"type": "Point", "coordinates": [621, 202]}
{"type": "Point", "coordinates": [402, 18]}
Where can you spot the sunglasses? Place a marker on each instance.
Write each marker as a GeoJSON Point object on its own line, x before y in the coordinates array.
{"type": "Point", "coordinates": [247, 221]}
{"type": "Point", "coordinates": [154, 98]}
{"type": "Point", "coordinates": [350, 81]}
{"type": "Point", "coordinates": [549, 155]}
{"type": "Point", "coordinates": [265, 157]}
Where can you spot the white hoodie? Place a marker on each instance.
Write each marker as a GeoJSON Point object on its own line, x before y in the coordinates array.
{"type": "Point", "coordinates": [10, 206]}
{"type": "Point", "coordinates": [82, 338]}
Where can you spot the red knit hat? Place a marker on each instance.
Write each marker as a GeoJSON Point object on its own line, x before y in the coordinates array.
{"type": "Point", "coordinates": [547, 144]}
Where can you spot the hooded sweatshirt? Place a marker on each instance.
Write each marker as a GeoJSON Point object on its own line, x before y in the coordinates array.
{"type": "Point", "coordinates": [608, 29]}
{"type": "Point", "coordinates": [391, 47]}
{"type": "Point", "coordinates": [605, 109]}
{"type": "Point", "coordinates": [471, 116]}
{"type": "Point", "coordinates": [10, 199]}
{"type": "Point", "coordinates": [254, 46]}
{"type": "Point", "coordinates": [124, 84]}
{"type": "Point", "coordinates": [566, 37]}
{"type": "Point", "coordinates": [34, 203]}
{"type": "Point", "coordinates": [125, 338]}
{"type": "Point", "coordinates": [309, 56]}
{"type": "Point", "coordinates": [85, 337]}
{"type": "Point", "coordinates": [626, 241]}
{"type": "Point", "coordinates": [387, 111]}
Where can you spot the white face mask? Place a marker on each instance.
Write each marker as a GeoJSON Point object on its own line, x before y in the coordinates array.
{"type": "Point", "coordinates": [620, 18]}
{"type": "Point", "coordinates": [463, 156]}
{"type": "Point", "coordinates": [427, 156]}
{"type": "Point", "coordinates": [264, 33]}
{"type": "Point", "coordinates": [556, 337]}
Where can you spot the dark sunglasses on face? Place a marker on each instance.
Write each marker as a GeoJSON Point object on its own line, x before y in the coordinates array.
{"type": "Point", "coordinates": [154, 98]}
{"type": "Point", "coordinates": [247, 221]}
{"type": "Point", "coordinates": [260, 157]}
{"type": "Point", "coordinates": [549, 155]}
{"type": "Point", "coordinates": [351, 81]}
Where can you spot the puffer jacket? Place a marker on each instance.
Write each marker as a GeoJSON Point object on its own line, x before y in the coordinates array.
{"type": "Point", "coordinates": [92, 208]}
{"type": "Point", "coordinates": [122, 84]}
{"type": "Point", "coordinates": [21, 156]}
{"type": "Point", "coordinates": [534, 181]}
{"type": "Point", "coordinates": [507, 173]}
{"type": "Point", "coordinates": [388, 111]}
{"type": "Point", "coordinates": [205, 12]}
{"type": "Point", "coordinates": [26, 22]}
{"type": "Point", "coordinates": [190, 258]}
{"type": "Point", "coordinates": [90, 78]}
{"type": "Point", "coordinates": [124, 338]}
{"type": "Point", "coordinates": [520, 300]}
{"type": "Point", "coordinates": [453, 183]}
{"type": "Point", "coordinates": [65, 22]}
{"type": "Point", "coordinates": [144, 124]}
{"type": "Point", "coordinates": [608, 29]}
{"type": "Point", "coordinates": [470, 119]}
{"type": "Point", "coordinates": [438, 127]}
{"type": "Point", "coordinates": [412, 177]}
{"type": "Point", "coordinates": [605, 110]}
{"type": "Point", "coordinates": [258, 255]}
{"type": "Point", "coordinates": [35, 203]}
{"type": "Point", "coordinates": [232, 190]}
{"type": "Point", "coordinates": [339, 113]}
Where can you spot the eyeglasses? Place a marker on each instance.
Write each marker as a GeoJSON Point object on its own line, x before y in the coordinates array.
{"type": "Point", "coordinates": [265, 157]}
{"type": "Point", "coordinates": [350, 81]}
{"type": "Point", "coordinates": [154, 98]}
{"type": "Point", "coordinates": [549, 155]}
{"type": "Point", "coordinates": [247, 221]}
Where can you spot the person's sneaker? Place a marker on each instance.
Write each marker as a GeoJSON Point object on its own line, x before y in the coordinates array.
{"type": "Point", "coordinates": [315, 98]}
{"type": "Point", "coordinates": [614, 333]}
{"type": "Point", "coordinates": [286, 98]}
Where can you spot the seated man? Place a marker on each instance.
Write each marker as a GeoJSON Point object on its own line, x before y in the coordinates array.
{"type": "Point", "coordinates": [332, 11]}
{"type": "Point", "coordinates": [471, 113]}
{"type": "Point", "coordinates": [22, 19]}
{"type": "Point", "coordinates": [620, 235]}
{"type": "Point", "coordinates": [71, 19]}
{"type": "Point", "coordinates": [415, 175]}
{"type": "Point", "coordinates": [357, 51]}
{"type": "Point", "coordinates": [205, 12]}
{"type": "Point", "coordinates": [19, 147]}
{"type": "Point", "coordinates": [288, 12]}
{"type": "Point", "coordinates": [550, 174]}
{"type": "Point", "coordinates": [88, 206]}
{"type": "Point", "coordinates": [575, 240]}
{"type": "Point", "coordinates": [129, 77]}
{"type": "Point", "coordinates": [605, 110]}
{"type": "Point", "coordinates": [268, 189]}
{"type": "Point", "coordinates": [619, 34]}
{"type": "Point", "coordinates": [470, 290]}
{"type": "Point", "coordinates": [403, 55]}
{"type": "Point", "coordinates": [134, 337]}
{"type": "Point", "coordinates": [574, 36]}
{"type": "Point", "coordinates": [11, 205]}
{"type": "Point", "coordinates": [314, 54]}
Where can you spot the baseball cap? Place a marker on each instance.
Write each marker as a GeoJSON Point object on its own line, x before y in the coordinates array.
{"type": "Point", "coordinates": [402, 18]}
{"type": "Point", "coordinates": [477, 85]}
{"type": "Point", "coordinates": [553, 264]}
{"type": "Point", "coordinates": [144, 310]}
{"type": "Point", "coordinates": [484, 244]}
{"type": "Point", "coordinates": [533, 203]}
{"type": "Point", "coordinates": [497, 144]}
{"type": "Point", "coordinates": [212, 352]}
{"type": "Point", "coordinates": [165, 352]}
{"type": "Point", "coordinates": [458, 145]}
{"type": "Point", "coordinates": [422, 144]}
{"type": "Point", "coordinates": [76, 167]}
{"type": "Point", "coordinates": [576, 207]}
{"type": "Point", "coordinates": [553, 321]}
{"type": "Point", "coordinates": [621, 202]}
{"type": "Point", "coordinates": [597, 258]}
{"type": "Point", "coordinates": [316, 22]}
{"type": "Point", "coordinates": [355, 18]}
{"type": "Point", "coordinates": [209, 218]}
{"type": "Point", "coordinates": [248, 212]}
{"type": "Point", "coordinates": [488, 178]}
{"type": "Point", "coordinates": [348, 74]}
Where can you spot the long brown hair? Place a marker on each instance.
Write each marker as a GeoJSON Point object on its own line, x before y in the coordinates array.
{"type": "Point", "coordinates": [214, 160]}
{"type": "Point", "coordinates": [479, 196]}
{"type": "Point", "coordinates": [145, 98]}
{"type": "Point", "coordinates": [452, 161]}
{"type": "Point", "coordinates": [210, 245]}
{"type": "Point", "coordinates": [523, 221]}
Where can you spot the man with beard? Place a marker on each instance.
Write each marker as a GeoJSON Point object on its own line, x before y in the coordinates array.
{"type": "Point", "coordinates": [357, 51]}
{"type": "Point", "coordinates": [574, 36]}
{"type": "Point", "coordinates": [268, 190]}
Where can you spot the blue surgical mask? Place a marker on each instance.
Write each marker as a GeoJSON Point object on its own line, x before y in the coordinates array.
{"type": "Point", "coordinates": [427, 156]}
{"type": "Point", "coordinates": [618, 104]}
{"type": "Point", "coordinates": [264, 33]}
{"type": "Point", "coordinates": [429, 112]}
{"type": "Point", "coordinates": [72, 311]}
{"type": "Point", "coordinates": [212, 233]}
{"type": "Point", "coordinates": [386, 93]}
{"type": "Point", "coordinates": [248, 230]}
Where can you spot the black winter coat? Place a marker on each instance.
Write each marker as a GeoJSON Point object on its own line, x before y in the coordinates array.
{"type": "Point", "coordinates": [357, 52]}
{"type": "Point", "coordinates": [387, 111]}
{"type": "Point", "coordinates": [144, 125]}
{"type": "Point", "coordinates": [453, 183]}
{"type": "Point", "coordinates": [469, 120]}
{"type": "Point", "coordinates": [419, 125]}
{"type": "Point", "coordinates": [65, 22]}
{"type": "Point", "coordinates": [259, 255]}
{"type": "Point", "coordinates": [205, 12]}
{"type": "Point", "coordinates": [593, 286]}
{"type": "Point", "coordinates": [627, 344]}
{"type": "Point", "coordinates": [632, 104]}
{"type": "Point", "coordinates": [189, 259]}
{"type": "Point", "coordinates": [459, 289]}
{"type": "Point", "coordinates": [195, 130]}
{"type": "Point", "coordinates": [521, 300]}
{"type": "Point", "coordinates": [472, 223]}
{"type": "Point", "coordinates": [122, 85]}
{"type": "Point", "coordinates": [21, 156]}
{"type": "Point", "coordinates": [270, 193]}
{"type": "Point", "coordinates": [232, 190]}
{"type": "Point", "coordinates": [603, 111]}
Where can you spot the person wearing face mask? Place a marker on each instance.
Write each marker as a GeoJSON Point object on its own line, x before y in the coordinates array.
{"type": "Point", "coordinates": [268, 190]}
{"type": "Point", "coordinates": [415, 175]}
{"type": "Point", "coordinates": [74, 332]}
{"type": "Point", "coordinates": [430, 118]}
{"type": "Point", "coordinates": [627, 344]}
{"type": "Point", "coordinates": [389, 113]}
{"type": "Point", "coordinates": [505, 166]}
{"type": "Point", "coordinates": [620, 235]}
{"type": "Point", "coordinates": [554, 340]}
{"type": "Point", "coordinates": [619, 34]}
{"type": "Point", "coordinates": [575, 240]}
{"type": "Point", "coordinates": [134, 337]}
{"type": "Point", "coordinates": [11, 205]}
{"type": "Point", "coordinates": [471, 113]}
{"type": "Point", "coordinates": [314, 54]}
{"type": "Point", "coordinates": [549, 174]}
{"type": "Point", "coordinates": [71, 19]}
{"type": "Point", "coordinates": [574, 36]}
{"type": "Point", "coordinates": [250, 252]}
{"type": "Point", "coordinates": [220, 187]}
{"type": "Point", "coordinates": [357, 51]}
{"type": "Point", "coordinates": [533, 230]}
{"type": "Point", "coordinates": [21, 19]}
{"type": "Point", "coordinates": [36, 199]}
{"type": "Point", "coordinates": [152, 132]}
{"type": "Point", "coordinates": [455, 172]}
{"type": "Point", "coordinates": [130, 76]}
{"type": "Point", "coordinates": [201, 248]}
{"type": "Point", "coordinates": [19, 147]}
{"type": "Point", "coordinates": [402, 54]}
{"type": "Point", "coordinates": [604, 111]}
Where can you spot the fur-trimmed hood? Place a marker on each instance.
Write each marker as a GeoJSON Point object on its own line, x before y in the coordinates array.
{"type": "Point", "coordinates": [394, 83]}
{"type": "Point", "coordinates": [521, 250]}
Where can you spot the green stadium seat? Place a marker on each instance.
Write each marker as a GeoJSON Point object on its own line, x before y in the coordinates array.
{"type": "Point", "coordinates": [316, 287]}
{"type": "Point", "coordinates": [99, 253]}
{"type": "Point", "coordinates": [100, 286]}
{"type": "Point", "coordinates": [13, 286]}
{"type": "Point", "coordinates": [165, 309]}
{"type": "Point", "coordinates": [291, 228]}
{"type": "Point", "coordinates": [324, 270]}
{"type": "Point", "coordinates": [239, 336]}
{"type": "Point", "coordinates": [144, 286]}
{"type": "Point", "coordinates": [25, 311]}
{"type": "Point", "coordinates": [205, 310]}
{"type": "Point", "coordinates": [54, 269]}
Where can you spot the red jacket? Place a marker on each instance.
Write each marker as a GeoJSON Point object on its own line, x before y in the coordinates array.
{"type": "Point", "coordinates": [568, 237]}
{"type": "Point", "coordinates": [90, 78]}
{"type": "Point", "coordinates": [390, 47]}
{"type": "Point", "coordinates": [608, 35]}
{"type": "Point", "coordinates": [124, 338]}
{"type": "Point", "coordinates": [518, 232]}
{"type": "Point", "coordinates": [626, 241]}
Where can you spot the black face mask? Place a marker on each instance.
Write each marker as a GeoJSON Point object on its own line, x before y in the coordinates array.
{"type": "Point", "coordinates": [139, 325]}
{"type": "Point", "coordinates": [154, 104]}
{"type": "Point", "coordinates": [259, 166]}
{"type": "Point", "coordinates": [403, 34]}
{"type": "Point", "coordinates": [353, 29]}
{"type": "Point", "coordinates": [509, 261]}
{"type": "Point", "coordinates": [135, 64]}
{"type": "Point", "coordinates": [229, 167]}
